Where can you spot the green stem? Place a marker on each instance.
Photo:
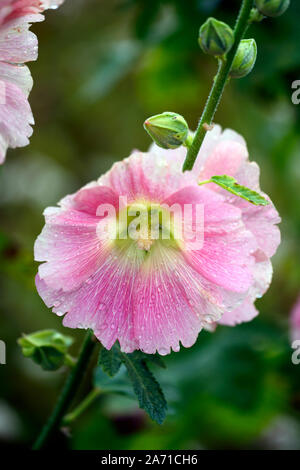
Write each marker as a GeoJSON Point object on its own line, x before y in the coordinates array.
{"type": "Point", "coordinates": [88, 400]}
{"type": "Point", "coordinates": [204, 182]}
{"type": "Point", "coordinates": [218, 87]}
{"type": "Point", "coordinates": [68, 392]}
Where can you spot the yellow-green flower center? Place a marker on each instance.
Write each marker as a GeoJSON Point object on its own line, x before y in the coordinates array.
{"type": "Point", "coordinates": [143, 224]}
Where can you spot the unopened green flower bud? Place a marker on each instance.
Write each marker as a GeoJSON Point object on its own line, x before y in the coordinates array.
{"type": "Point", "coordinates": [245, 58]}
{"type": "Point", "coordinates": [255, 16]}
{"type": "Point", "coordinates": [168, 130]}
{"type": "Point", "coordinates": [48, 348]}
{"type": "Point", "coordinates": [215, 37]}
{"type": "Point", "coordinates": [272, 7]}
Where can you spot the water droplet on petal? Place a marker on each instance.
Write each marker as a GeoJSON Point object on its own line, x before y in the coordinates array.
{"type": "Point", "coordinates": [163, 351]}
{"type": "Point", "coordinates": [208, 318]}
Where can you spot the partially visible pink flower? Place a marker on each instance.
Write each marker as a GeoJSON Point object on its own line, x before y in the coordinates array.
{"type": "Point", "coordinates": [295, 321]}
{"type": "Point", "coordinates": [17, 46]}
{"type": "Point", "coordinates": [152, 296]}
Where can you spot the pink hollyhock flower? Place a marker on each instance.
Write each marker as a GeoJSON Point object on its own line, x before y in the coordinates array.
{"type": "Point", "coordinates": [153, 294]}
{"type": "Point", "coordinates": [295, 321]}
{"type": "Point", "coordinates": [17, 46]}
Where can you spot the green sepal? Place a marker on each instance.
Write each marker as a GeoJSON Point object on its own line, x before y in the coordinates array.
{"type": "Point", "coordinates": [48, 348]}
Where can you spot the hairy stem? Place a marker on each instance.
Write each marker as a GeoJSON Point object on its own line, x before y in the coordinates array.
{"type": "Point", "coordinates": [218, 87]}
{"type": "Point", "coordinates": [68, 392]}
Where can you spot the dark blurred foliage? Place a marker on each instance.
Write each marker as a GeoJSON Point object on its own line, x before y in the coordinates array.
{"type": "Point", "coordinates": [104, 66]}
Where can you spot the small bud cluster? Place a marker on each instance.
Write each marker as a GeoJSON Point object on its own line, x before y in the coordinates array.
{"type": "Point", "coordinates": [217, 38]}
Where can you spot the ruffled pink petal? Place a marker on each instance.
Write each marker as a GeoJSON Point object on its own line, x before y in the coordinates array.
{"type": "Point", "coordinates": [178, 155]}
{"type": "Point", "coordinates": [262, 274]}
{"type": "Point", "coordinates": [146, 176]}
{"type": "Point", "coordinates": [69, 243]}
{"type": "Point", "coordinates": [226, 253]}
{"type": "Point", "coordinates": [143, 307]}
{"type": "Point", "coordinates": [212, 139]}
{"type": "Point", "coordinates": [70, 247]}
{"type": "Point", "coordinates": [12, 9]}
{"type": "Point", "coordinates": [88, 200]}
{"type": "Point", "coordinates": [262, 223]}
{"type": "Point", "coordinates": [70, 217]}
{"type": "Point", "coordinates": [172, 303]}
{"type": "Point", "coordinates": [215, 210]}
{"type": "Point", "coordinates": [193, 195]}
{"type": "Point", "coordinates": [226, 244]}
{"type": "Point", "coordinates": [17, 46]}
{"type": "Point", "coordinates": [226, 159]}
{"type": "Point", "coordinates": [17, 43]}
{"type": "Point", "coordinates": [15, 119]}
{"type": "Point", "coordinates": [244, 313]}
{"type": "Point", "coordinates": [224, 263]}
{"type": "Point", "coordinates": [231, 157]}
{"type": "Point", "coordinates": [18, 75]}
{"type": "Point", "coordinates": [72, 254]}
{"type": "Point", "coordinates": [104, 302]}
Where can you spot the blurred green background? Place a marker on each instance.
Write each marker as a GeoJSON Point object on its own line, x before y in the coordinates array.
{"type": "Point", "coordinates": [103, 67]}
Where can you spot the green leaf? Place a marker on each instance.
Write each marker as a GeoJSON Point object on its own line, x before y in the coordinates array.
{"type": "Point", "coordinates": [154, 358]}
{"type": "Point", "coordinates": [145, 386]}
{"type": "Point", "coordinates": [229, 183]}
{"type": "Point", "coordinates": [118, 384]}
{"type": "Point", "coordinates": [110, 361]}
